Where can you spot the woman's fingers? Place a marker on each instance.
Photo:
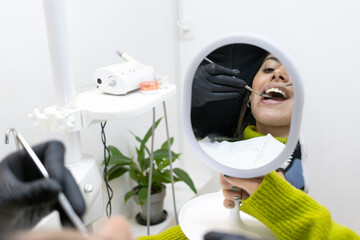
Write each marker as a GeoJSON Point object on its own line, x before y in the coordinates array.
{"type": "Point", "coordinates": [238, 187]}
{"type": "Point", "coordinates": [249, 185]}
{"type": "Point", "coordinates": [228, 203]}
{"type": "Point", "coordinates": [229, 192]}
{"type": "Point", "coordinates": [229, 196]}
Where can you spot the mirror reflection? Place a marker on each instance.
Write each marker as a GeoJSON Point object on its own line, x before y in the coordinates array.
{"type": "Point", "coordinates": [242, 101]}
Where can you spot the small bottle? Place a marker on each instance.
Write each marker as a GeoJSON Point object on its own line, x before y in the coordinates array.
{"type": "Point", "coordinates": [163, 81]}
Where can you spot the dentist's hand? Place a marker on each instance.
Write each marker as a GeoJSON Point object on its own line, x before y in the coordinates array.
{"type": "Point", "coordinates": [26, 196]}
{"type": "Point", "coordinates": [213, 82]}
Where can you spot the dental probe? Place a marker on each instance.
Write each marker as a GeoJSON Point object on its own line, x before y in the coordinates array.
{"type": "Point", "coordinates": [208, 60]}
{"type": "Point", "coordinates": [246, 86]}
{"type": "Point", "coordinates": [64, 202]}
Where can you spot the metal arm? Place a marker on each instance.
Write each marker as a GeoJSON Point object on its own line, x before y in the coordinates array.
{"type": "Point", "coordinates": [7, 137]}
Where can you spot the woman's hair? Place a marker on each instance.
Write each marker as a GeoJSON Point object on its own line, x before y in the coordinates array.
{"type": "Point", "coordinates": [245, 117]}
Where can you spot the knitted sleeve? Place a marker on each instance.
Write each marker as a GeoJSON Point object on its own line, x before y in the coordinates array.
{"type": "Point", "coordinates": [173, 233]}
{"type": "Point", "coordinates": [291, 213]}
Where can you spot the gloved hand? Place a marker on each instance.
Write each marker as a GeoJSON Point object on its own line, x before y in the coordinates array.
{"type": "Point", "coordinates": [213, 82]}
{"type": "Point", "coordinates": [26, 196]}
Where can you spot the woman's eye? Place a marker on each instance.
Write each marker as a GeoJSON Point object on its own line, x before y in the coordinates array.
{"type": "Point", "coordinates": [268, 70]}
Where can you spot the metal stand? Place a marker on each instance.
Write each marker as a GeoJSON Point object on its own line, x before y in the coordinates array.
{"type": "Point", "coordinates": [151, 169]}
{"type": "Point", "coordinates": [74, 113]}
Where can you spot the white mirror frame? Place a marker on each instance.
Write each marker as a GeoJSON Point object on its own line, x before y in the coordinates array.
{"type": "Point", "coordinates": [297, 111]}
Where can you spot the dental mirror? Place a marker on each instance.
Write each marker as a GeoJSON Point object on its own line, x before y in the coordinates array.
{"type": "Point", "coordinates": [229, 95]}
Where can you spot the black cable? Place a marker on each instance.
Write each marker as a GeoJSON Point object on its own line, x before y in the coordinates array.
{"type": "Point", "coordinates": [105, 173]}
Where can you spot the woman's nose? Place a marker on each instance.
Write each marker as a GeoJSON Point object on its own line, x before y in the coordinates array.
{"type": "Point", "coordinates": [278, 74]}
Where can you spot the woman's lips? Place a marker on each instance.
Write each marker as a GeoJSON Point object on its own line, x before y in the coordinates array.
{"type": "Point", "coordinates": [271, 101]}
{"type": "Point", "coordinates": [278, 94]}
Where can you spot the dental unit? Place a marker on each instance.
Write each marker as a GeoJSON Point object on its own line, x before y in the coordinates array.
{"type": "Point", "coordinates": [122, 78]}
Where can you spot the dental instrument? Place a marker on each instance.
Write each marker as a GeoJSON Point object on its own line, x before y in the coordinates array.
{"type": "Point", "coordinates": [246, 86]}
{"type": "Point", "coordinates": [208, 60]}
{"type": "Point", "coordinates": [261, 95]}
{"type": "Point", "coordinates": [64, 202]}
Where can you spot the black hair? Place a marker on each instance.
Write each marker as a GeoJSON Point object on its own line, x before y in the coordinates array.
{"type": "Point", "coordinates": [245, 117]}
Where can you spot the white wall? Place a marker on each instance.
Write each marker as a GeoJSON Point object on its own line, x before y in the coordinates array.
{"type": "Point", "coordinates": [323, 38]}
{"type": "Point", "coordinates": [144, 29]}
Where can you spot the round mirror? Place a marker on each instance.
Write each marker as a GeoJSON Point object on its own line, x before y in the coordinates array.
{"type": "Point", "coordinates": [243, 100]}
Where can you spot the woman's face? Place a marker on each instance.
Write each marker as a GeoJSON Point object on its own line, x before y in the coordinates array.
{"type": "Point", "coordinates": [273, 115]}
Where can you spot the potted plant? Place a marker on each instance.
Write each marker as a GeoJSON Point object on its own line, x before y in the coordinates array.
{"type": "Point", "coordinates": [139, 169]}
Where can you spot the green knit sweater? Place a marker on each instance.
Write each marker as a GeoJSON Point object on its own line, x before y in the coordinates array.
{"type": "Point", "coordinates": [250, 132]}
{"type": "Point", "coordinates": [288, 212]}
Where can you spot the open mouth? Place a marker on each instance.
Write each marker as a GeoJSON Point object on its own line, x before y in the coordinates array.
{"type": "Point", "coordinates": [276, 94]}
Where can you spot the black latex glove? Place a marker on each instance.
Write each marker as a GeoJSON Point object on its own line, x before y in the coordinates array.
{"type": "Point", "coordinates": [26, 196]}
{"type": "Point", "coordinates": [213, 82]}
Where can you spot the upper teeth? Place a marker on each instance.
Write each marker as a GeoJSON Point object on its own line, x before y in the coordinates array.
{"type": "Point", "coordinates": [277, 91]}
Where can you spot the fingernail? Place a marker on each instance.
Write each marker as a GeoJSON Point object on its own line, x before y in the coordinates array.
{"type": "Point", "coordinates": [236, 197]}
{"type": "Point", "coordinates": [230, 205]}
{"type": "Point", "coordinates": [236, 189]}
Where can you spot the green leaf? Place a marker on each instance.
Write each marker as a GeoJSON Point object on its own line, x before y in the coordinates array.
{"type": "Point", "coordinates": [134, 167]}
{"type": "Point", "coordinates": [134, 174]}
{"type": "Point", "coordinates": [149, 132]}
{"type": "Point", "coordinates": [161, 157]}
{"type": "Point", "coordinates": [162, 177]}
{"type": "Point", "coordinates": [129, 194]}
{"type": "Point", "coordinates": [185, 177]}
{"type": "Point", "coordinates": [165, 144]}
{"type": "Point", "coordinates": [143, 179]}
{"type": "Point", "coordinates": [116, 171]}
{"type": "Point", "coordinates": [143, 144]}
{"type": "Point", "coordinates": [143, 195]}
{"type": "Point", "coordinates": [136, 137]}
{"type": "Point", "coordinates": [119, 160]}
{"type": "Point", "coordinates": [140, 158]}
{"type": "Point", "coordinates": [164, 154]}
{"type": "Point", "coordinates": [146, 137]}
{"type": "Point", "coordinates": [113, 150]}
{"type": "Point", "coordinates": [147, 150]}
{"type": "Point", "coordinates": [146, 163]}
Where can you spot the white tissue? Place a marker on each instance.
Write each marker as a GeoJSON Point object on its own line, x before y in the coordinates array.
{"type": "Point", "coordinates": [245, 154]}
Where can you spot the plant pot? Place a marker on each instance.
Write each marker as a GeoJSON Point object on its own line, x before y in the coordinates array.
{"type": "Point", "coordinates": [157, 212]}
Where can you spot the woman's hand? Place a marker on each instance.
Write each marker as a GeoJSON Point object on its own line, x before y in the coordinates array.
{"type": "Point", "coordinates": [238, 187]}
